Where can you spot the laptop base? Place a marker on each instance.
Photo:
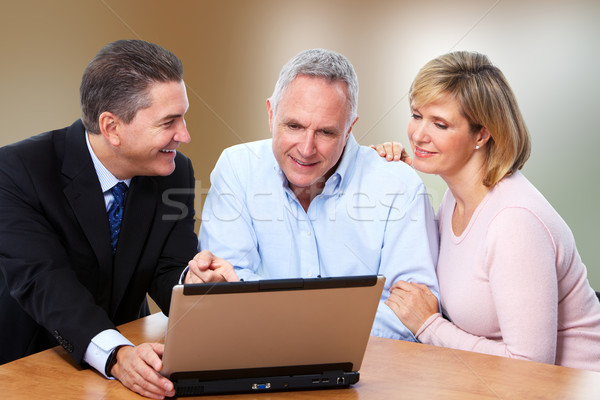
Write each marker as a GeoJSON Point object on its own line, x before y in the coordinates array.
{"type": "Point", "coordinates": [325, 380]}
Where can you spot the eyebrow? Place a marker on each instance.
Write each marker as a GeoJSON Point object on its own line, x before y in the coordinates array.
{"type": "Point", "coordinates": [446, 120]}
{"type": "Point", "coordinates": [170, 116]}
{"type": "Point", "coordinates": [294, 121]}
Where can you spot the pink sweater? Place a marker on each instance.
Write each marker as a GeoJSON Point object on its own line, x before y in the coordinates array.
{"type": "Point", "coordinates": [513, 283]}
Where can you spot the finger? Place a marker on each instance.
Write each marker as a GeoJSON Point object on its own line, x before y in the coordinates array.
{"type": "Point", "coordinates": [134, 373]}
{"type": "Point", "coordinates": [149, 355]}
{"type": "Point", "coordinates": [193, 273]}
{"type": "Point", "coordinates": [393, 298]}
{"type": "Point", "coordinates": [204, 259]}
{"type": "Point", "coordinates": [148, 370]}
{"type": "Point", "coordinates": [396, 304]}
{"type": "Point", "coordinates": [397, 150]}
{"type": "Point", "coordinates": [422, 287]}
{"type": "Point", "coordinates": [147, 389]}
{"type": "Point", "coordinates": [229, 276]}
{"type": "Point", "coordinates": [402, 285]}
{"type": "Point", "coordinates": [226, 270]}
{"type": "Point", "coordinates": [405, 157]}
{"type": "Point", "coordinates": [159, 349]}
{"type": "Point", "coordinates": [392, 304]}
{"type": "Point", "coordinates": [211, 276]}
{"type": "Point", "coordinates": [208, 276]}
{"type": "Point", "coordinates": [196, 265]}
{"type": "Point", "coordinates": [388, 151]}
{"type": "Point", "coordinates": [380, 149]}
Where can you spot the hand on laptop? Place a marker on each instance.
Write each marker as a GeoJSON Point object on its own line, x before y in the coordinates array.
{"type": "Point", "coordinates": [137, 368]}
{"type": "Point", "coordinates": [205, 267]}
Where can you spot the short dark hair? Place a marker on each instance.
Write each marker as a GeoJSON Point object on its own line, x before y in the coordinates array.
{"type": "Point", "coordinates": [118, 77]}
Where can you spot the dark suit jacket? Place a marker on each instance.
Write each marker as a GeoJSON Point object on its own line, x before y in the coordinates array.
{"type": "Point", "coordinates": [59, 283]}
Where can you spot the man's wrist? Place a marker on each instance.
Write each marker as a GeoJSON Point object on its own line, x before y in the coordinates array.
{"type": "Point", "coordinates": [112, 360]}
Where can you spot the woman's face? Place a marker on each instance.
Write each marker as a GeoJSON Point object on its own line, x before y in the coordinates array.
{"type": "Point", "coordinates": [441, 137]}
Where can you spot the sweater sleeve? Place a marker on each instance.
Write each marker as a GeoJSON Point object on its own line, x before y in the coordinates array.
{"type": "Point", "coordinates": [519, 261]}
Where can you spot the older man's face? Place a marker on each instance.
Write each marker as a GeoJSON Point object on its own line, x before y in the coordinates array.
{"type": "Point", "coordinates": [310, 129]}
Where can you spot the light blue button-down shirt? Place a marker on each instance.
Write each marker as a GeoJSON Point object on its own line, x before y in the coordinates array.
{"type": "Point", "coordinates": [373, 217]}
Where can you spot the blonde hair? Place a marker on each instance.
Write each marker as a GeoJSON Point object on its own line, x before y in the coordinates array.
{"type": "Point", "coordinates": [486, 100]}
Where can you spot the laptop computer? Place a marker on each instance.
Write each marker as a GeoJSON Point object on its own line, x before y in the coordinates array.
{"type": "Point", "coordinates": [269, 335]}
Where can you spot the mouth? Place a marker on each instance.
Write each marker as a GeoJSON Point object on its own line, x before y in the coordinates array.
{"type": "Point", "coordinates": [303, 164]}
{"type": "Point", "coordinates": [167, 151]}
{"type": "Point", "coordinates": [419, 152]}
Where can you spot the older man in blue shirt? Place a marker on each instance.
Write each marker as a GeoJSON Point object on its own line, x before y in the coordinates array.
{"type": "Point", "coordinates": [311, 202]}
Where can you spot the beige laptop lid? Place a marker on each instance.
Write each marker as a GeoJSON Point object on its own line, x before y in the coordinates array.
{"type": "Point", "coordinates": [270, 323]}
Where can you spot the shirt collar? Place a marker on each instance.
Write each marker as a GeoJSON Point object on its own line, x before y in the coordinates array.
{"type": "Point", "coordinates": [107, 180]}
{"type": "Point", "coordinates": [347, 163]}
{"type": "Point", "coordinates": [341, 174]}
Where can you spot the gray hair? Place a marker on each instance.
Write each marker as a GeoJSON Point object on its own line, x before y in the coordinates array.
{"type": "Point", "coordinates": [319, 63]}
{"type": "Point", "coordinates": [119, 77]}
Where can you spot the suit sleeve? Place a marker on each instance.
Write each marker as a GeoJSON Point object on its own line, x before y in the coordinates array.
{"type": "Point", "coordinates": [181, 241]}
{"type": "Point", "coordinates": [35, 265]}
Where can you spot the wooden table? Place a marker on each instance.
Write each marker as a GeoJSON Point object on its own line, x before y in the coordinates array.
{"type": "Point", "coordinates": [391, 369]}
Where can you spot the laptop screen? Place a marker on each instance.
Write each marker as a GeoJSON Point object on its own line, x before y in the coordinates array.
{"type": "Point", "coordinates": [237, 330]}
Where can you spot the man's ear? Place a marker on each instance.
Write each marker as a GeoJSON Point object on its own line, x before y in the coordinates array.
{"type": "Point", "coordinates": [270, 111]}
{"type": "Point", "coordinates": [350, 127]}
{"type": "Point", "coordinates": [110, 127]}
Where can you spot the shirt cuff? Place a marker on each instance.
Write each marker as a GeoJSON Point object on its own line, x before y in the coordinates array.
{"type": "Point", "coordinates": [100, 348]}
{"type": "Point", "coordinates": [182, 277]}
{"type": "Point", "coordinates": [432, 318]}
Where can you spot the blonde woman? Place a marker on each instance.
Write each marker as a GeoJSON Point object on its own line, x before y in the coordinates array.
{"type": "Point", "coordinates": [511, 280]}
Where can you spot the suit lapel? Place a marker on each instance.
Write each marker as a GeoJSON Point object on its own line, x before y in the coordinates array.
{"type": "Point", "coordinates": [135, 228]}
{"type": "Point", "coordinates": [84, 194]}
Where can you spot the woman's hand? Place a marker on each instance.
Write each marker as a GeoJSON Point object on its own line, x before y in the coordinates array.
{"type": "Point", "coordinates": [413, 303]}
{"type": "Point", "coordinates": [392, 151]}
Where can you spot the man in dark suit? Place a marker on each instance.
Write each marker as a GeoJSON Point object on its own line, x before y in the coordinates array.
{"type": "Point", "coordinates": [69, 272]}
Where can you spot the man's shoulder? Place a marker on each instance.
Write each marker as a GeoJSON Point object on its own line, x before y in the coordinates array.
{"type": "Point", "coordinates": [33, 143]}
{"type": "Point", "coordinates": [36, 150]}
{"type": "Point", "coordinates": [247, 157]}
{"type": "Point", "coordinates": [256, 149]}
{"type": "Point", "coordinates": [391, 173]}
{"type": "Point", "coordinates": [249, 164]}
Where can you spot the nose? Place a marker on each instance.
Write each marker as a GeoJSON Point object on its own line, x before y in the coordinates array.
{"type": "Point", "coordinates": [182, 135]}
{"type": "Point", "coordinates": [307, 147]}
{"type": "Point", "coordinates": [418, 132]}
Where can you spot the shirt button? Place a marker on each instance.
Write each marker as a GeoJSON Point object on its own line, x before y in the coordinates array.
{"type": "Point", "coordinates": [307, 233]}
{"type": "Point", "coordinates": [310, 274]}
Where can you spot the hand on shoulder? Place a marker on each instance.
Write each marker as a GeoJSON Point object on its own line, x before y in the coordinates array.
{"type": "Point", "coordinates": [392, 151]}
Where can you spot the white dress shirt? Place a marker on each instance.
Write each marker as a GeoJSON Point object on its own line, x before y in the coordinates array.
{"type": "Point", "coordinates": [105, 342]}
